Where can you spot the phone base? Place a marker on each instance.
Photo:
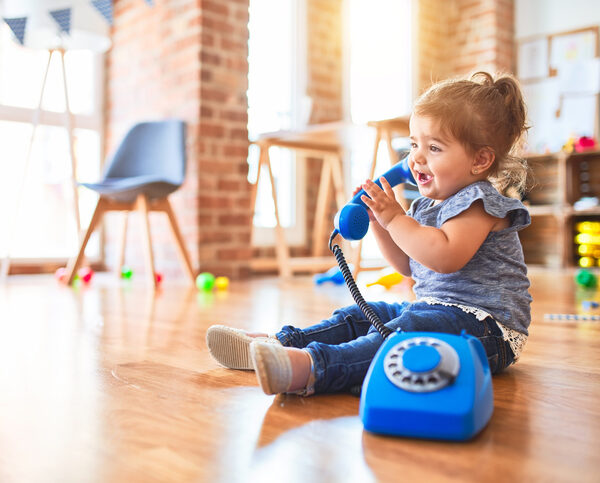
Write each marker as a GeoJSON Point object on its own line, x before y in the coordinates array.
{"type": "Point", "coordinates": [428, 385]}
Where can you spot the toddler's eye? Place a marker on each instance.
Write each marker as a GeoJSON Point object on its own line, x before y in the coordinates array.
{"type": "Point", "coordinates": [435, 149]}
{"type": "Point", "coordinates": [413, 145]}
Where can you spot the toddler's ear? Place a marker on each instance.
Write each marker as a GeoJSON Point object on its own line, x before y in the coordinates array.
{"type": "Point", "coordinates": [484, 158]}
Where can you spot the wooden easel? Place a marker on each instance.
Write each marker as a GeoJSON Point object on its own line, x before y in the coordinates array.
{"type": "Point", "coordinates": [69, 126]}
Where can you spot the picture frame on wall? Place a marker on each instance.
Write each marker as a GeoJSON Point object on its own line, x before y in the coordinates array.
{"type": "Point", "coordinates": [560, 74]}
{"type": "Point", "coordinates": [532, 59]}
{"type": "Point", "coordinates": [572, 46]}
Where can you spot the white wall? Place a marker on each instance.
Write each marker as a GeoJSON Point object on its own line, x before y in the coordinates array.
{"type": "Point", "coordinates": [543, 17]}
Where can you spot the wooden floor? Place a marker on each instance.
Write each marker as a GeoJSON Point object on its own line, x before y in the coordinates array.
{"type": "Point", "coordinates": [110, 383]}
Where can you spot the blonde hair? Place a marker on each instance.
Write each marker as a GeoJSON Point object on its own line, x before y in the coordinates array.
{"type": "Point", "coordinates": [483, 112]}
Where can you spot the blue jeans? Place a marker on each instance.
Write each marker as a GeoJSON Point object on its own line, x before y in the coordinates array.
{"type": "Point", "coordinates": [343, 346]}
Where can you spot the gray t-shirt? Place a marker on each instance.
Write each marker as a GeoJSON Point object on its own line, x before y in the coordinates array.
{"type": "Point", "coordinates": [495, 279]}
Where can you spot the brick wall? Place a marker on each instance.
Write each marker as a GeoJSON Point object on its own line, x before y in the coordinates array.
{"type": "Point", "coordinates": [224, 193]}
{"type": "Point", "coordinates": [324, 59]}
{"type": "Point", "coordinates": [187, 59]}
{"type": "Point", "coordinates": [432, 41]}
{"type": "Point", "coordinates": [458, 37]}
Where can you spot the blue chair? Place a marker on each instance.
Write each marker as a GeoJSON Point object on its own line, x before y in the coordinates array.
{"type": "Point", "coordinates": [147, 167]}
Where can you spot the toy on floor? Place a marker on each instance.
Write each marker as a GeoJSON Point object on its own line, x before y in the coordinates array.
{"type": "Point", "coordinates": [205, 281]}
{"type": "Point", "coordinates": [85, 274]}
{"type": "Point", "coordinates": [571, 317]}
{"type": "Point", "coordinates": [61, 274]}
{"type": "Point", "coordinates": [388, 280]}
{"type": "Point", "coordinates": [428, 385]}
{"type": "Point", "coordinates": [589, 304]}
{"type": "Point", "coordinates": [126, 272]}
{"type": "Point", "coordinates": [158, 276]}
{"type": "Point", "coordinates": [586, 279]}
{"type": "Point", "coordinates": [221, 283]}
{"type": "Point", "coordinates": [333, 275]}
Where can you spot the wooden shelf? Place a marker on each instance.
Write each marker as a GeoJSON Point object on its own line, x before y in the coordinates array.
{"type": "Point", "coordinates": [570, 211]}
{"type": "Point", "coordinates": [545, 210]}
{"type": "Point", "coordinates": [560, 179]}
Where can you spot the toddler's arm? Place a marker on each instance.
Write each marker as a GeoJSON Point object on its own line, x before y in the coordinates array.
{"type": "Point", "coordinates": [445, 249]}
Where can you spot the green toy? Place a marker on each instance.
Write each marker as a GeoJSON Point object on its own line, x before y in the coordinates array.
{"type": "Point", "coordinates": [126, 272]}
{"type": "Point", "coordinates": [585, 278]}
{"type": "Point", "coordinates": [205, 281]}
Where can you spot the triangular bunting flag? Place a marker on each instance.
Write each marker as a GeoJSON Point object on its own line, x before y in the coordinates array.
{"type": "Point", "coordinates": [17, 25]}
{"type": "Point", "coordinates": [63, 19]}
{"type": "Point", "coordinates": [105, 7]}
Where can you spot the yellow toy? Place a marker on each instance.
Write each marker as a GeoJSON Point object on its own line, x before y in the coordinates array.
{"type": "Point", "coordinates": [388, 281]}
{"type": "Point", "coordinates": [569, 146]}
{"type": "Point", "coordinates": [587, 240]}
{"type": "Point", "coordinates": [221, 283]}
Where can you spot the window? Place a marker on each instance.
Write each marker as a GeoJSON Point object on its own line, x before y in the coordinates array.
{"type": "Point", "coordinates": [44, 228]}
{"type": "Point", "coordinates": [379, 71]}
{"type": "Point", "coordinates": [276, 86]}
{"type": "Point", "coordinates": [378, 78]}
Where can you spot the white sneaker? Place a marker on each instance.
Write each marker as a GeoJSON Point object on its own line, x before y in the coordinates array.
{"type": "Point", "coordinates": [231, 347]}
{"type": "Point", "coordinates": [273, 367]}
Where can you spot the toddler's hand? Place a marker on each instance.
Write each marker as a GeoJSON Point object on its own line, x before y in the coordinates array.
{"type": "Point", "coordinates": [381, 202]}
{"type": "Point", "coordinates": [369, 212]}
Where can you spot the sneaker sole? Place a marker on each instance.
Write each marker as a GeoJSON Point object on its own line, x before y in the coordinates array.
{"type": "Point", "coordinates": [230, 348]}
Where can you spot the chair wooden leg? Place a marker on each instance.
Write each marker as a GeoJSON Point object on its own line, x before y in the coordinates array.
{"type": "Point", "coordinates": [183, 254]}
{"type": "Point", "coordinates": [121, 254]}
{"type": "Point", "coordinates": [74, 262]}
{"type": "Point", "coordinates": [142, 207]}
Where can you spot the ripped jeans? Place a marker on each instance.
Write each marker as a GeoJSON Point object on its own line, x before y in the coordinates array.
{"type": "Point", "coordinates": [343, 346]}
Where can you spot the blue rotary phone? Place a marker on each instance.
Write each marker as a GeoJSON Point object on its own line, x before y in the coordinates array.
{"type": "Point", "coordinates": [420, 384]}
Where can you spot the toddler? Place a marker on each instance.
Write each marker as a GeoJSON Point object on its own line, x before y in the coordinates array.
{"type": "Point", "coordinates": [458, 241]}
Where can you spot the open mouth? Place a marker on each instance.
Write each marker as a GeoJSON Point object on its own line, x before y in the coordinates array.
{"type": "Point", "coordinates": [423, 178]}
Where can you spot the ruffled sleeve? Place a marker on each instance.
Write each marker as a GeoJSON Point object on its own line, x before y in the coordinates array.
{"type": "Point", "coordinates": [493, 203]}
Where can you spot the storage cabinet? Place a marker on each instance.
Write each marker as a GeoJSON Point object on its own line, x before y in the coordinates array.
{"type": "Point", "coordinates": [560, 180]}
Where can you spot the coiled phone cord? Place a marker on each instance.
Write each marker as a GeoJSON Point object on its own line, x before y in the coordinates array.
{"type": "Point", "coordinates": [356, 295]}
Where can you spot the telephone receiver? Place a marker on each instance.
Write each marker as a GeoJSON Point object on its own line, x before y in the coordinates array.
{"type": "Point", "coordinates": [352, 221]}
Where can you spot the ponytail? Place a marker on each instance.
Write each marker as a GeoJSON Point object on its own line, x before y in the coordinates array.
{"type": "Point", "coordinates": [484, 111]}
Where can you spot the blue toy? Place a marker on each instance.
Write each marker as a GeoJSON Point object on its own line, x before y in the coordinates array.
{"type": "Point", "coordinates": [589, 304]}
{"type": "Point", "coordinates": [428, 385]}
{"type": "Point", "coordinates": [352, 221]}
{"type": "Point", "coordinates": [333, 275]}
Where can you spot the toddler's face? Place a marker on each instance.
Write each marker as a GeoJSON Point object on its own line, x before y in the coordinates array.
{"type": "Point", "coordinates": [440, 164]}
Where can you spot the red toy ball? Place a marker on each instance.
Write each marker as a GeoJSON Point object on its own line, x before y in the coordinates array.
{"type": "Point", "coordinates": [61, 274]}
{"type": "Point", "coordinates": [585, 143]}
{"type": "Point", "coordinates": [158, 276]}
{"type": "Point", "coordinates": [86, 274]}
